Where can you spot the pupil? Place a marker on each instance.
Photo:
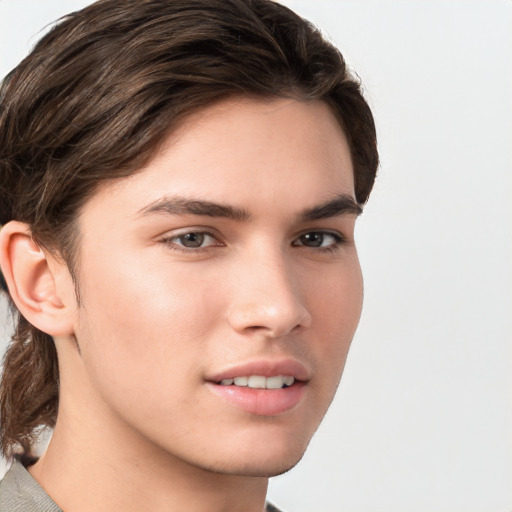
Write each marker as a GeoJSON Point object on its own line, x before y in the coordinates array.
{"type": "Point", "coordinates": [192, 239]}
{"type": "Point", "coordinates": [313, 239]}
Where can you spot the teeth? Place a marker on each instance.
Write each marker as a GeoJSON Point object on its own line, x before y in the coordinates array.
{"type": "Point", "coordinates": [256, 381]}
{"type": "Point", "coordinates": [260, 382]}
{"type": "Point", "coordinates": [276, 382]}
{"type": "Point", "coordinates": [289, 381]}
{"type": "Point", "coordinates": [241, 381]}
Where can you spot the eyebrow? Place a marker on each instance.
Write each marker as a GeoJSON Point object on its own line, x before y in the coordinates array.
{"type": "Point", "coordinates": [342, 204]}
{"type": "Point", "coordinates": [184, 206]}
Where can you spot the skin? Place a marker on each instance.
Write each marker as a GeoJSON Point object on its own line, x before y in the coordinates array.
{"type": "Point", "coordinates": [157, 319]}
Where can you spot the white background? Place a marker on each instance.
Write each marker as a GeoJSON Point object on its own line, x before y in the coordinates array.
{"type": "Point", "coordinates": [423, 420]}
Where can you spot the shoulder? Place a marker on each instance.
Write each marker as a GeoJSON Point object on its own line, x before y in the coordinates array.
{"type": "Point", "coordinates": [19, 492]}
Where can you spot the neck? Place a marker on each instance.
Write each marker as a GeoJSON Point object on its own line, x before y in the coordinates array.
{"type": "Point", "coordinates": [96, 462]}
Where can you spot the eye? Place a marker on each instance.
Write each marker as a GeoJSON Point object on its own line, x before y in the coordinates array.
{"type": "Point", "coordinates": [191, 240]}
{"type": "Point", "coordinates": [319, 239]}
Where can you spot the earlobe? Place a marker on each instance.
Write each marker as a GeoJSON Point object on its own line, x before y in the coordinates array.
{"type": "Point", "coordinates": [31, 282]}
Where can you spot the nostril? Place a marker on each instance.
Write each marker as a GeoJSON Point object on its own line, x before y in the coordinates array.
{"type": "Point", "coordinates": [254, 328]}
{"type": "Point", "coordinates": [272, 326]}
{"type": "Point", "coordinates": [271, 308]}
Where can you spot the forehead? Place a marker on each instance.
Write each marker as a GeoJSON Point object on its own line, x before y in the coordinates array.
{"type": "Point", "coordinates": [257, 154]}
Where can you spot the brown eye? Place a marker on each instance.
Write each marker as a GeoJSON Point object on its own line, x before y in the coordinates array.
{"type": "Point", "coordinates": [319, 239]}
{"type": "Point", "coordinates": [312, 239]}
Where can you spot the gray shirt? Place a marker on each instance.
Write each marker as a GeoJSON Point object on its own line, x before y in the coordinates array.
{"type": "Point", "coordinates": [19, 492]}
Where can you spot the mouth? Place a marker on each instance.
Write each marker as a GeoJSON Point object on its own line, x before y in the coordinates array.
{"type": "Point", "coordinates": [260, 382]}
{"type": "Point", "coordinates": [263, 388]}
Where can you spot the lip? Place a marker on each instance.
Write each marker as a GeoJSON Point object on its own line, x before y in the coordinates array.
{"type": "Point", "coordinates": [263, 367]}
{"type": "Point", "coordinates": [262, 402]}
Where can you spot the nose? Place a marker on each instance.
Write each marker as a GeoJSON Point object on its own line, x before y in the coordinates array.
{"type": "Point", "coordinates": [267, 299]}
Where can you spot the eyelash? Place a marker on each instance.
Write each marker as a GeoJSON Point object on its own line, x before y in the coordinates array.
{"type": "Point", "coordinates": [171, 242]}
{"type": "Point", "coordinates": [338, 241]}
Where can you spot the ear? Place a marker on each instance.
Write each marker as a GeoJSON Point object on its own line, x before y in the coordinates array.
{"type": "Point", "coordinates": [30, 274]}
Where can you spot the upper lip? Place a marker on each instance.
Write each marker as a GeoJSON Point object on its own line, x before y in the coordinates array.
{"type": "Point", "coordinates": [263, 367]}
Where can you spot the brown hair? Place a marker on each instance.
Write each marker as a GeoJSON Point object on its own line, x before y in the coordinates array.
{"type": "Point", "coordinates": [98, 95]}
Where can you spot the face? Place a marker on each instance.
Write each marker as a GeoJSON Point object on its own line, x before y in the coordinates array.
{"type": "Point", "coordinates": [221, 286]}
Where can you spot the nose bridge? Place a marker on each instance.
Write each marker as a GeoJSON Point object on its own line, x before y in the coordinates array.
{"type": "Point", "coordinates": [268, 296]}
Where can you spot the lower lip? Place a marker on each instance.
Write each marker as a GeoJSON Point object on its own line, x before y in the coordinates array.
{"type": "Point", "coordinates": [262, 402]}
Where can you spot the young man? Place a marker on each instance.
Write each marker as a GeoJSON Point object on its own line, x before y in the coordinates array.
{"type": "Point", "coordinates": [180, 182]}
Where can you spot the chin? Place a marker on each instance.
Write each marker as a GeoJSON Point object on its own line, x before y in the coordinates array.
{"type": "Point", "coordinates": [259, 461]}
{"type": "Point", "coordinates": [267, 469]}
{"type": "Point", "coordinates": [275, 467]}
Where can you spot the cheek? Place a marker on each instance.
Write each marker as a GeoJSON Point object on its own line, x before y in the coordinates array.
{"type": "Point", "coordinates": [146, 326]}
{"type": "Point", "coordinates": [338, 304]}
{"type": "Point", "coordinates": [337, 297]}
